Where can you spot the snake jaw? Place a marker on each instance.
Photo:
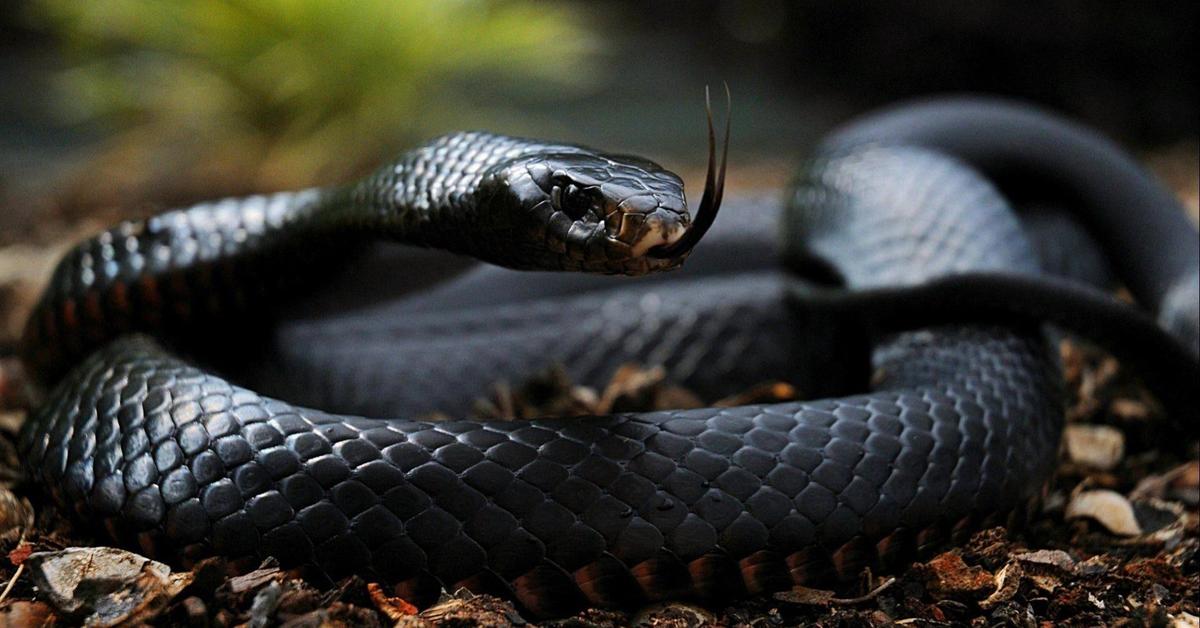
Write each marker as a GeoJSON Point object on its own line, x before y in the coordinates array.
{"type": "Point", "coordinates": [659, 232]}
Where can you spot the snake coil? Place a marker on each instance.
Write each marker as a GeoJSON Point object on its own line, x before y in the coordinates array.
{"type": "Point", "coordinates": [958, 426]}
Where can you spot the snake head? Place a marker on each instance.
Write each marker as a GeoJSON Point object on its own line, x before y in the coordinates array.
{"type": "Point", "coordinates": [571, 208]}
{"type": "Point", "coordinates": [574, 209]}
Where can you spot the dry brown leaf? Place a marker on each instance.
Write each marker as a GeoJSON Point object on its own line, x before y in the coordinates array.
{"type": "Point", "coordinates": [1108, 508]}
{"type": "Point", "coordinates": [1096, 446]}
{"type": "Point", "coordinates": [1181, 482]}
{"type": "Point", "coordinates": [948, 576]}
{"type": "Point", "coordinates": [14, 387]}
{"type": "Point", "coordinates": [463, 608]}
{"type": "Point", "coordinates": [1008, 582]}
{"type": "Point", "coordinates": [395, 608]}
{"type": "Point", "coordinates": [1130, 409]}
{"type": "Point", "coordinates": [1056, 559]}
{"type": "Point", "coordinates": [1046, 568]}
{"type": "Point", "coordinates": [195, 610]}
{"type": "Point", "coordinates": [16, 515]}
{"type": "Point", "coordinates": [674, 615]}
{"type": "Point", "coordinates": [109, 585]}
{"type": "Point", "coordinates": [631, 386]}
{"type": "Point", "coordinates": [770, 392]}
{"type": "Point", "coordinates": [26, 614]}
{"type": "Point", "coordinates": [20, 553]}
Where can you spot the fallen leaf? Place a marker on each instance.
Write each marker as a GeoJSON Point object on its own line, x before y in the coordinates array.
{"type": "Point", "coordinates": [194, 611]}
{"type": "Point", "coordinates": [1181, 482]}
{"type": "Point", "coordinates": [1046, 568]}
{"type": "Point", "coordinates": [138, 604]}
{"type": "Point", "coordinates": [1057, 559]}
{"type": "Point", "coordinates": [395, 608]}
{"type": "Point", "coordinates": [770, 392]}
{"type": "Point", "coordinates": [336, 615]}
{"type": "Point", "coordinates": [14, 385]}
{"type": "Point", "coordinates": [110, 586]}
{"type": "Point", "coordinates": [1094, 566]}
{"type": "Point", "coordinates": [1096, 446]}
{"type": "Point", "coordinates": [948, 576]}
{"type": "Point", "coordinates": [676, 398]}
{"type": "Point", "coordinates": [19, 553]}
{"type": "Point", "coordinates": [1008, 582]}
{"type": "Point", "coordinates": [69, 575]}
{"type": "Point", "coordinates": [16, 514]}
{"type": "Point", "coordinates": [1130, 409]}
{"type": "Point", "coordinates": [24, 613]}
{"type": "Point", "coordinates": [672, 614]}
{"type": "Point", "coordinates": [1108, 508]}
{"type": "Point", "coordinates": [463, 608]}
{"type": "Point", "coordinates": [262, 609]}
{"type": "Point", "coordinates": [631, 387]}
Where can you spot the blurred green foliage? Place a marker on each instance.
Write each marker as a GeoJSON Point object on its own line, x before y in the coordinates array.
{"type": "Point", "coordinates": [274, 93]}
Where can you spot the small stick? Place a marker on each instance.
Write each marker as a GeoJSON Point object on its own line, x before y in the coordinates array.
{"type": "Point", "coordinates": [865, 598]}
{"type": "Point", "coordinates": [12, 582]}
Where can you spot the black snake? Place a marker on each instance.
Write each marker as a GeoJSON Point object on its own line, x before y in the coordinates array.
{"type": "Point", "coordinates": [908, 285]}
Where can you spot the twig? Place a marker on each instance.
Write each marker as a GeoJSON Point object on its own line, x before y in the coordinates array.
{"type": "Point", "coordinates": [12, 582]}
{"type": "Point", "coordinates": [864, 598]}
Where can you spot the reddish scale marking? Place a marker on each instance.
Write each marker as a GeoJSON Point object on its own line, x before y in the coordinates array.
{"type": "Point", "coordinates": [151, 298]}
{"type": "Point", "coordinates": [69, 317]}
{"type": "Point", "coordinates": [758, 570]}
{"type": "Point", "coordinates": [709, 574]}
{"type": "Point", "coordinates": [94, 315]}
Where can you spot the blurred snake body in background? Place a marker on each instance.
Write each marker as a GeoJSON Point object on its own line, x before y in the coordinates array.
{"type": "Point", "coordinates": [898, 278]}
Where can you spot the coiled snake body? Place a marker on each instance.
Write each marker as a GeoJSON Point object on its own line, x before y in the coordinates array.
{"type": "Point", "coordinates": [958, 425]}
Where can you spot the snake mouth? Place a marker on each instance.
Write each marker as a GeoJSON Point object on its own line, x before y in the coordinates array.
{"type": "Point", "coordinates": [714, 189]}
{"type": "Point", "coordinates": [661, 232]}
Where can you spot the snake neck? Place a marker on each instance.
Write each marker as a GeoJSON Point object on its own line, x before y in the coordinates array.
{"type": "Point", "coordinates": [430, 196]}
{"type": "Point", "coordinates": [383, 207]}
{"type": "Point", "coordinates": [172, 270]}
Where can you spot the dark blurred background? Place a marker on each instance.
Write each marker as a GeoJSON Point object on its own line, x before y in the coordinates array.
{"type": "Point", "coordinates": [115, 108]}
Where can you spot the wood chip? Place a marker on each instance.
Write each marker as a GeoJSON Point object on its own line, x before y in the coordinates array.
{"type": "Point", "coordinates": [253, 580]}
{"type": "Point", "coordinates": [805, 596]}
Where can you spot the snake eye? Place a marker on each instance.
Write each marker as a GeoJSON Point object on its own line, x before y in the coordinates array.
{"type": "Point", "coordinates": [571, 199]}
